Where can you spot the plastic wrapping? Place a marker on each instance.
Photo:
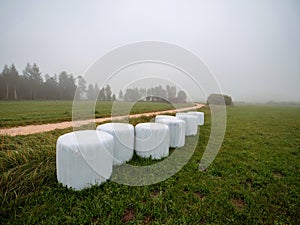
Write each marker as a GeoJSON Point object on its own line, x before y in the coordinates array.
{"type": "Point", "coordinates": [200, 116]}
{"type": "Point", "coordinates": [161, 117]}
{"type": "Point", "coordinates": [176, 129]}
{"type": "Point", "coordinates": [123, 140]}
{"type": "Point", "coordinates": [152, 140]}
{"type": "Point", "coordinates": [84, 158]}
{"type": "Point", "coordinates": [191, 123]}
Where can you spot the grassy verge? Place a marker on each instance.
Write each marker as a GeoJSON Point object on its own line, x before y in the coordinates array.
{"type": "Point", "coordinates": [21, 113]}
{"type": "Point", "coordinates": [253, 180]}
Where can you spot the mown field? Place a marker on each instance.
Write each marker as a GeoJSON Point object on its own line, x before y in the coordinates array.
{"type": "Point", "coordinates": [21, 113]}
{"type": "Point", "coordinates": [253, 180]}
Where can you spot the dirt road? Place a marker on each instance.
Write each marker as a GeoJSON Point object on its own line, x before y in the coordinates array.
{"type": "Point", "coordinates": [32, 129]}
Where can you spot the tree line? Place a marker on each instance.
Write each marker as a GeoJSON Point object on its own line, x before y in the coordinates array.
{"type": "Point", "coordinates": [31, 85]}
{"type": "Point", "coordinates": [153, 94]}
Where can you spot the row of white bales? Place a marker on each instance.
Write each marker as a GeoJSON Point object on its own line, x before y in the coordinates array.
{"type": "Point", "coordinates": [85, 158]}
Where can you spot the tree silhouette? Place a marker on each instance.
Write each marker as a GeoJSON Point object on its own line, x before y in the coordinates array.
{"type": "Point", "coordinates": [34, 80]}
{"type": "Point", "coordinates": [66, 85]}
{"type": "Point", "coordinates": [81, 88]}
{"type": "Point", "coordinates": [91, 95]}
{"type": "Point", "coordinates": [10, 77]}
{"type": "Point", "coordinates": [108, 93]}
{"type": "Point", "coordinates": [181, 96]}
{"type": "Point", "coordinates": [120, 97]}
{"type": "Point", "coordinates": [101, 96]}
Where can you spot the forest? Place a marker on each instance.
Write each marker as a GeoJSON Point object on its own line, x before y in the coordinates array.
{"type": "Point", "coordinates": [32, 85]}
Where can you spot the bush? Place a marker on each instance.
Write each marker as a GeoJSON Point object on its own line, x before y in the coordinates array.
{"type": "Point", "coordinates": [219, 99]}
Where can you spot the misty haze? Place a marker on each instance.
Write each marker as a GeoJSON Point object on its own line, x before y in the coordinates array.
{"type": "Point", "coordinates": [150, 112]}
{"type": "Point", "coordinates": [251, 47]}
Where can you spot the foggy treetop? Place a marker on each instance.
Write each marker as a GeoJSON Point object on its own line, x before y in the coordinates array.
{"type": "Point", "coordinates": [31, 85]}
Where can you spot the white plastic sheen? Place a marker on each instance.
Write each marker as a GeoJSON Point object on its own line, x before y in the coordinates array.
{"type": "Point", "coordinates": [160, 117]}
{"type": "Point", "coordinates": [152, 140]}
{"type": "Point", "coordinates": [84, 158]}
{"type": "Point", "coordinates": [177, 130]}
{"type": "Point", "coordinates": [200, 116]}
{"type": "Point", "coordinates": [123, 140]}
{"type": "Point", "coordinates": [191, 123]}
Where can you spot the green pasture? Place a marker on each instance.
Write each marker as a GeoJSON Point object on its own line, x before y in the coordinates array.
{"type": "Point", "coordinates": [253, 180]}
{"type": "Point", "coordinates": [21, 113]}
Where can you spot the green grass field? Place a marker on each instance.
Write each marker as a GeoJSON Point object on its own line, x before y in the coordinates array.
{"type": "Point", "coordinates": [21, 113]}
{"type": "Point", "coordinates": [253, 180]}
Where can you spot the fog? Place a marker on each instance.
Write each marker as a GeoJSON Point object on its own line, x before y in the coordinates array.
{"type": "Point", "coordinates": [252, 47]}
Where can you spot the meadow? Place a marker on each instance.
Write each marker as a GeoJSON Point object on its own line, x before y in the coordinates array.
{"type": "Point", "coordinates": [253, 180]}
{"type": "Point", "coordinates": [22, 113]}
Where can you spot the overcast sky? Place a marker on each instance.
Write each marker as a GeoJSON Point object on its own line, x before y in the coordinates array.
{"type": "Point", "coordinates": [253, 47]}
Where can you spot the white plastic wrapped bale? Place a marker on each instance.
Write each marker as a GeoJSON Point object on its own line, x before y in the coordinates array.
{"type": "Point", "coordinates": [123, 140]}
{"type": "Point", "coordinates": [84, 158]}
{"type": "Point", "coordinates": [191, 123]}
{"type": "Point", "coordinates": [152, 140]}
{"type": "Point", "coordinates": [177, 131]}
{"type": "Point", "coordinates": [161, 117]}
{"type": "Point", "coordinates": [200, 116]}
